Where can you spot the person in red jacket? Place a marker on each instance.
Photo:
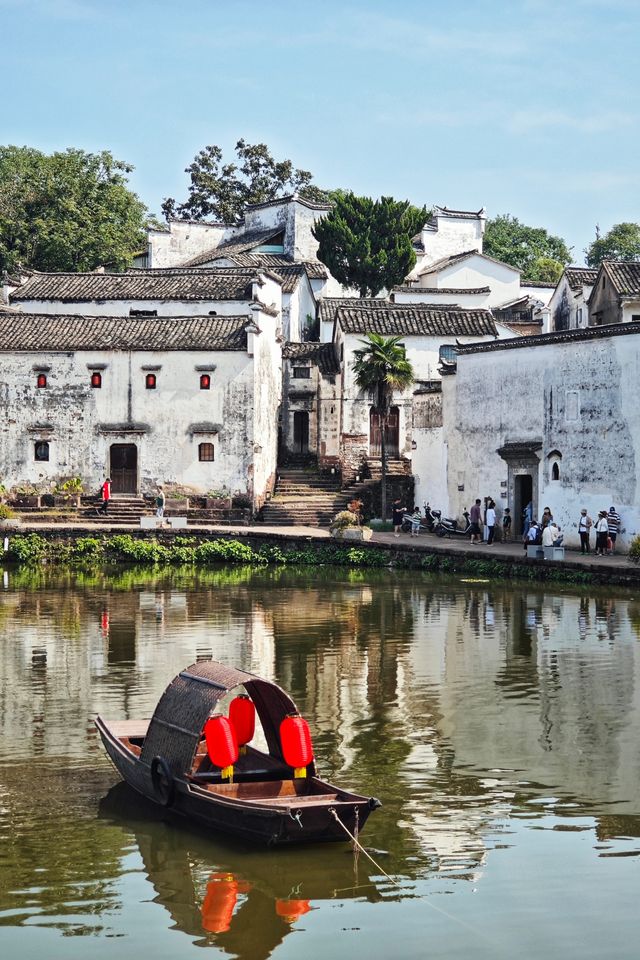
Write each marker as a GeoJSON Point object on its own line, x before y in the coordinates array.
{"type": "Point", "coordinates": [106, 496]}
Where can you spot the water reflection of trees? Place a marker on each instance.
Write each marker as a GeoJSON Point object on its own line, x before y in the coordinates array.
{"type": "Point", "coordinates": [417, 689]}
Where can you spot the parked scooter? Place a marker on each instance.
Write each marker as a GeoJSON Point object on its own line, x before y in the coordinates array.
{"type": "Point", "coordinates": [448, 526]}
{"type": "Point", "coordinates": [427, 523]}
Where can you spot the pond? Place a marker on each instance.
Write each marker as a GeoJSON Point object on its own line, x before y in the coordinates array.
{"type": "Point", "coordinates": [497, 722]}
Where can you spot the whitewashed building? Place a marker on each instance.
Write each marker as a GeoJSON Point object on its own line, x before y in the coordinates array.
{"type": "Point", "coordinates": [568, 306]}
{"type": "Point", "coordinates": [554, 419]}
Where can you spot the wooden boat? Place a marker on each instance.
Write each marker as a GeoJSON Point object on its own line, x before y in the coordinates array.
{"type": "Point", "coordinates": [166, 760]}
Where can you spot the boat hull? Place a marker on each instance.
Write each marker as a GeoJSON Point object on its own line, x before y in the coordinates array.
{"type": "Point", "coordinates": [306, 822]}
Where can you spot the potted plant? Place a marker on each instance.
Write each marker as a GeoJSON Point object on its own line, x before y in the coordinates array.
{"type": "Point", "coordinates": [25, 497]}
{"type": "Point", "coordinates": [346, 526]}
{"type": "Point", "coordinates": [8, 519]}
{"type": "Point", "coordinates": [66, 493]}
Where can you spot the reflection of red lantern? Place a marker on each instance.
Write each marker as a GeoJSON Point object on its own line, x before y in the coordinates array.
{"type": "Point", "coordinates": [222, 745]}
{"type": "Point", "coordinates": [292, 910]}
{"type": "Point", "coordinates": [297, 748]}
{"type": "Point", "coordinates": [220, 900]}
{"type": "Point", "coordinates": [242, 714]}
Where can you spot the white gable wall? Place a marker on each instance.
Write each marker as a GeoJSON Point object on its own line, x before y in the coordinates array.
{"type": "Point", "coordinates": [184, 240]}
{"type": "Point", "coordinates": [453, 235]}
{"type": "Point", "coordinates": [478, 271]}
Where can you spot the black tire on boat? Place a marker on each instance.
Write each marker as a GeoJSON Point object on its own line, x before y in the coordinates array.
{"type": "Point", "coordinates": [163, 782]}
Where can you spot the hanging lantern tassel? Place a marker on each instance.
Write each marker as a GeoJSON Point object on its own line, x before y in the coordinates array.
{"type": "Point", "coordinates": [295, 740]}
{"type": "Point", "coordinates": [222, 745]}
{"type": "Point", "coordinates": [242, 714]}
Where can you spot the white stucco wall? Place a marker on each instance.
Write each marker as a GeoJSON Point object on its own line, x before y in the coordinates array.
{"type": "Point", "coordinates": [478, 271]}
{"type": "Point", "coordinates": [453, 235]}
{"type": "Point", "coordinates": [81, 423]}
{"type": "Point", "coordinates": [122, 308]}
{"type": "Point", "coordinates": [580, 397]}
{"type": "Point", "coordinates": [185, 239]}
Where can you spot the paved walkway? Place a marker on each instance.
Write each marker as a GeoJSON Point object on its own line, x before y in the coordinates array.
{"type": "Point", "coordinates": [427, 543]}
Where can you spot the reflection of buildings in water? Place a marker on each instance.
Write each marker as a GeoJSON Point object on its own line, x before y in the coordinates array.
{"type": "Point", "coordinates": [531, 694]}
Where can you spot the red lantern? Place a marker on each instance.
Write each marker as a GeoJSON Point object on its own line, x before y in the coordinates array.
{"type": "Point", "coordinates": [297, 748]}
{"type": "Point", "coordinates": [222, 745]}
{"type": "Point", "coordinates": [220, 900]}
{"type": "Point", "coordinates": [292, 910]}
{"type": "Point", "coordinates": [242, 714]}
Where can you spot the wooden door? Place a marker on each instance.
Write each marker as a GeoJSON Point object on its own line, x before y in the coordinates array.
{"type": "Point", "coordinates": [391, 434]}
{"type": "Point", "coordinates": [300, 432]}
{"type": "Point", "coordinates": [124, 468]}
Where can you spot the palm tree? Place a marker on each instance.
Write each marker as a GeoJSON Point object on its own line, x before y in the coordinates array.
{"type": "Point", "coordinates": [381, 367]}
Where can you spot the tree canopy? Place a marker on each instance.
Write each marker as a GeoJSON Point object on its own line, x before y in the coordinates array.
{"type": "Point", "coordinates": [366, 243]}
{"type": "Point", "coordinates": [381, 367]}
{"type": "Point", "coordinates": [69, 210]}
{"type": "Point", "coordinates": [541, 256]}
{"type": "Point", "coordinates": [622, 242]}
{"type": "Point", "coordinates": [222, 190]}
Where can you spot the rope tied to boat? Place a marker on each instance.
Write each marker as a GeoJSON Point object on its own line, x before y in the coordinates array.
{"type": "Point", "coordinates": [358, 846]}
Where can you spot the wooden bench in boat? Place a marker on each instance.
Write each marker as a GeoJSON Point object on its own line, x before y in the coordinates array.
{"type": "Point", "coordinates": [280, 793]}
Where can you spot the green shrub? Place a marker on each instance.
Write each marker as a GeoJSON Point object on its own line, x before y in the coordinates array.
{"type": "Point", "coordinates": [29, 548]}
{"type": "Point", "coordinates": [6, 513]}
{"type": "Point", "coordinates": [634, 550]}
{"type": "Point", "coordinates": [343, 520]}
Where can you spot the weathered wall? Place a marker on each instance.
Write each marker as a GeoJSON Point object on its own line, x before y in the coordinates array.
{"type": "Point", "coordinates": [262, 410]}
{"type": "Point", "coordinates": [579, 395]}
{"type": "Point", "coordinates": [429, 457]}
{"type": "Point", "coordinates": [568, 308]}
{"type": "Point", "coordinates": [452, 235]}
{"type": "Point", "coordinates": [122, 308]}
{"type": "Point", "coordinates": [185, 239]}
{"type": "Point", "coordinates": [418, 295]}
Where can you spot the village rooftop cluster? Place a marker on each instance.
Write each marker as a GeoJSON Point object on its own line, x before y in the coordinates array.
{"type": "Point", "coordinates": [228, 349]}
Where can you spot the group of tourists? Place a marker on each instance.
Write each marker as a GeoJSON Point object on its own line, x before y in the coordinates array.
{"type": "Point", "coordinates": [606, 527]}
{"type": "Point", "coordinates": [544, 532]}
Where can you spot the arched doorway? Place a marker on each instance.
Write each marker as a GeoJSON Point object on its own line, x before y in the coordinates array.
{"type": "Point", "coordinates": [391, 434]}
{"type": "Point", "coordinates": [123, 458]}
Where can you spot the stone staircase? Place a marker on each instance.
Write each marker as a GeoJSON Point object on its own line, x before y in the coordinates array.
{"type": "Point", "coordinates": [123, 509]}
{"type": "Point", "coordinates": [304, 497]}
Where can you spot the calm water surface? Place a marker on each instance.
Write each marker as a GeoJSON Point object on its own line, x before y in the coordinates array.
{"type": "Point", "coordinates": [498, 723]}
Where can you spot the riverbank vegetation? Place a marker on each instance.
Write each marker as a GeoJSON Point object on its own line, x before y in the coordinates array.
{"type": "Point", "coordinates": [34, 550]}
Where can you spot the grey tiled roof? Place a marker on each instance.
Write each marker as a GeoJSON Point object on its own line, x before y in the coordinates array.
{"type": "Point", "coordinates": [288, 199]}
{"type": "Point", "coordinates": [33, 331]}
{"type": "Point", "coordinates": [624, 275]}
{"type": "Point", "coordinates": [604, 332]}
{"type": "Point", "coordinates": [409, 288]}
{"type": "Point", "coordinates": [223, 283]}
{"type": "Point", "coordinates": [578, 277]}
{"type": "Point", "coordinates": [242, 243]}
{"type": "Point", "coordinates": [417, 319]}
{"type": "Point", "coordinates": [322, 354]}
{"type": "Point", "coordinates": [459, 214]}
{"type": "Point", "coordinates": [445, 262]}
{"type": "Point", "coordinates": [327, 306]}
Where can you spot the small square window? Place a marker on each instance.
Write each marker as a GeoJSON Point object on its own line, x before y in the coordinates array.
{"type": "Point", "coordinates": [205, 452]}
{"type": "Point", "coordinates": [96, 380]}
{"type": "Point", "coordinates": [150, 381]}
{"type": "Point", "coordinates": [41, 451]}
{"type": "Point", "coordinates": [205, 381]}
{"type": "Point", "coordinates": [301, 373]}
{"type": "Point", "coordinates": [447, 352]}
{"type": "Point", "coordinates": [41, 381]}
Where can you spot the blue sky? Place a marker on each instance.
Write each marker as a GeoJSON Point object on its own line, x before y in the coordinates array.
{"type": "Point", "coordinates": [528, 107]}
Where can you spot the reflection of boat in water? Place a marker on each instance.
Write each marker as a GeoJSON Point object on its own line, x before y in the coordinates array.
{"type": "Point", "coordinates": [201, 766]}
{"type": "Point", "coordinates": [233, 895]}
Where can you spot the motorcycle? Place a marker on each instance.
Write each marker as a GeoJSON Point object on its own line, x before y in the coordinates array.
{"type": "Point", "coordinates": [448, 526]}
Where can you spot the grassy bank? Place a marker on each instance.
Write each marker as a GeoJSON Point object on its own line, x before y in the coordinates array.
{"type": "Point", "coordinates": [33, 549]}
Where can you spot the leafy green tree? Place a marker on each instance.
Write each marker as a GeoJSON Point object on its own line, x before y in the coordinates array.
{"type": "Point", "coordinates": [222, 190]}
{"type": "Point", "coordinates": [541, 256]}
{"type": "Point", "coordinates": [622, 242]}
{"type": "Point", "coordinates": [381, 367]}
{"type": "Point", "coordinates": [366, 243]}
{"type": "Point", "coordinates": [67, 211]}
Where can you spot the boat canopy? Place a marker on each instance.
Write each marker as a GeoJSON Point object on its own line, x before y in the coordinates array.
{"type": "Point", "coordinates": [176, 726]}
